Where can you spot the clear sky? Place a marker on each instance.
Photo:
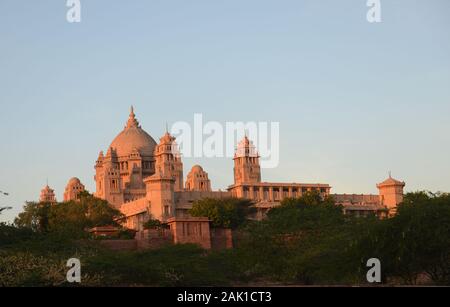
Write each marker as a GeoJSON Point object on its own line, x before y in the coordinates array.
{"type": "Point", "coordinates": [354, 99]}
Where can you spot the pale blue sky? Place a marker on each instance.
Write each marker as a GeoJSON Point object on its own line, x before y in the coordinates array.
{"type": "Point", "coordinates": [353, 99]}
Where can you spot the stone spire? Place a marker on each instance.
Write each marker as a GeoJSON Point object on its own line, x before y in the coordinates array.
{"type": "Point", "coordinates": [132, 121]}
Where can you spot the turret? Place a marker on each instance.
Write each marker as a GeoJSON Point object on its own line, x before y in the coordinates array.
{"type": "Point", "coordinates": [246, 163]}
{"type": "Point", "coordinates": [47, 195]}
{"type": "Point", "coordinates": [391, 193]}
{"type": "Point", "coordinates": [167, 179]}
{"type": "Point", "coordinates": [197, 180]}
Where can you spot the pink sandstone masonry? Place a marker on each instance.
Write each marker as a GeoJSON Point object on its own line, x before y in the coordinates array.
{"type": "Point", "coordinates": [144, 180]}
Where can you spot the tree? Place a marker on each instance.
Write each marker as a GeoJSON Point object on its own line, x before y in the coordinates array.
{"type": "Point", "coordinates": [153, 223]}
{"type": "Point", "coordinates": [71, 217]}
{"type": "Point", "coordinates": [227, 212]}
{"type": "Point", "coordinates": [416, 241]}
{"type": "Point", "coordinates": [305, 240]}
{"type": "Point", "coordinates": [4, 208]}
{"type": "Point", "coordinates": [34, 216]}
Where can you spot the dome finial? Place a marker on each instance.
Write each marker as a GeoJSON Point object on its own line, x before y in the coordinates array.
{"type": "Point", "coordinates": [132, 121]}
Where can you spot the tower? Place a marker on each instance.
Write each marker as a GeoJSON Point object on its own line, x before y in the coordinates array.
{"type": "Point", "coordinates": [167, 179]}
{"type": "Point", "coordinates": [246, 163]}
{"type": "Point", "coordinates": [391, 193]}
{"type": "Point", "coordinates": [73, 189]}
{"type": "Point", "coordinates": [168, 159]}
{"type": "Point", "coordinates": [197, 180]}
{"type": "Point", "coordinates": [47, 195]}
{"type": "Point", "coordinates": [108, 179]}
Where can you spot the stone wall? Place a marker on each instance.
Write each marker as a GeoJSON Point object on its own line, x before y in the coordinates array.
{"type": "Point", "coordinates": [153, 238]}
{"type": "Point", "coordinates": [193, 230]}
{"type": "Point", "coordinates": [221, 238]}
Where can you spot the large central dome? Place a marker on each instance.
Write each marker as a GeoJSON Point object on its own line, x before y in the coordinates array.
{"type": "Point", "coordinates": [133, 137]}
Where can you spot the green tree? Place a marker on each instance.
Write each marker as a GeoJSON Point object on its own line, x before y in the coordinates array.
{"type": "Point", "coordinates": [305, 240]}
{"type": "Point", "coordinates": [153, 223]}
{"type": "Point", "coordinates": [34, 216]}
{"type": "Point", "coordinates": [227, 212]}
{"type": "Point", "coordinates": [72, 217]}
{"type": "Point", "coordinates": [416, 241]}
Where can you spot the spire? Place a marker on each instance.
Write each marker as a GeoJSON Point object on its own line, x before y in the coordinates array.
{"type": "Point", "coordinates": [132, 121]}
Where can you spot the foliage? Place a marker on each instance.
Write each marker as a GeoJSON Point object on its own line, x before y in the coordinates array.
{"type": "Point", "coordinates": [41, 259]}
{"type": "Point", "coordinates": [10, 234]}
{"type": "Point", "coordinates": [121, 234]}
{"type": "Point", "coordinates": [226, 213]}
{"type": "Point", "coordinates": [306, 240]}
{"type": "Point", "coordinates": [126, 234]}
{"type": "Point", "coordinates": [177, 265]}
{"type": "Point", "coordinates": [416, 241]}
{"type": "Point", "coordinates": [153, 223]}
{"type": "Point", "coordinates": [71, 217]}
{"type": "Point", "coordinates": [25, 269]}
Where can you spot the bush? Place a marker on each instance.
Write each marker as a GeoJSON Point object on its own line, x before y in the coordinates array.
{"type": "Point", "coordinates": [416, 241]}
{"type": "Point", "coordinates": [152, 224]}
{"type": "Point", "coordinates": [11, 235]}
{"type": "Point", "coordinates": [226, 213]}
{"type": "Point", "coordinates": [304, 241]}
{"type": "Point", "coordinates": [70, 218]}
{"type": "Point", "coordinates": [176, 265]}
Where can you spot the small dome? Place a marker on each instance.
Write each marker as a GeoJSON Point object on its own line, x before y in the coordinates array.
{"type": "Point", "coordinates": [197, 169]}
{"type": "Point", "coordinates": [133, 137]}
{"type": "Point", "coordinates": [74, 180]}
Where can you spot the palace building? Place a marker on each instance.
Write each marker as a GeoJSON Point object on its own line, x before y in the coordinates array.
{"type": "Point", "coordinates": [145, 180]}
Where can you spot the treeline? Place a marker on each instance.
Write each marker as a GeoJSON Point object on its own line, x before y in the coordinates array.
{"type": "Point", "coordinates": [71, 218]}
{"type": "Point", "coordinates": [305, 241]}
{"type": "Point", "coordinates": [310, 241]}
